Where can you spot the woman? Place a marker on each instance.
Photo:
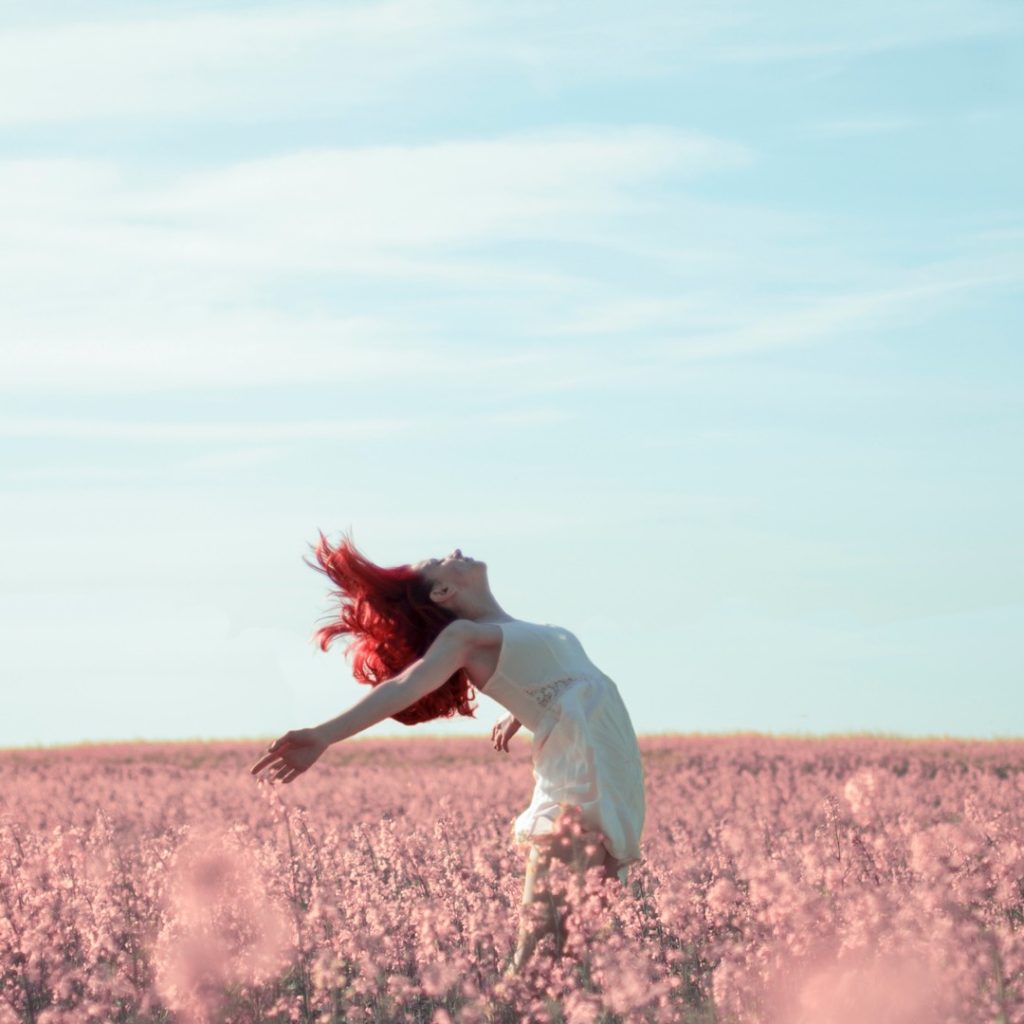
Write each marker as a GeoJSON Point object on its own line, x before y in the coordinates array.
{"type": "Point", "coordinates": [425, 636]}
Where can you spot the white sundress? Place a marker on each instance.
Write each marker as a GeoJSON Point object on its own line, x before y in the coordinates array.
{"type": "Point", "coordinates": [585, 752]}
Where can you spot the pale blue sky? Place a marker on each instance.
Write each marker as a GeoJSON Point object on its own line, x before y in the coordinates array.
{"type": "Point", "coordinates": [700, 324]}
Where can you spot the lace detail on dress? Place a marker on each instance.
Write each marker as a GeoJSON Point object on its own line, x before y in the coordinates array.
{"type": "Point", "coordinates": [545, 694]}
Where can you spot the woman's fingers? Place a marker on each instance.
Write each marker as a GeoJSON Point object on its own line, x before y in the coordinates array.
{"type": "Point", "coordinates": [284, 760]}
{"type": "Point", "coordinates": [262, 763]}
{"type": "Point", "coordinates": [283, 772]}
{"type": "Point", "coordinates": [501, 733]}
{"type": "Point", "coordinates": [272, 761]}
{"type": "Point", "coordinates": [272, 754]}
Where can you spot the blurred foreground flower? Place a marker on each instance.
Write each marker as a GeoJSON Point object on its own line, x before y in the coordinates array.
{"type": "Point", "coordinates": [220, 928]}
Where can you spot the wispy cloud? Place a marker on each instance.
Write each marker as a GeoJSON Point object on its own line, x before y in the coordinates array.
{"type": "Point", "coordinates": [257, 433]}
{"type": "Point", "coordinates": [314, 208]}
{"type": "Point", "coordinates": [233, 61]}
{"type": "Point", "coordinates": [917, 297]}
{"type": "Point", "coordinates": [129, 430]}
{"type": "Point", "coordinates": [69, 474]}
{"type": "Point", "coordinates": [162, 286]}
{"type": "Point", "coordinates": [534, 184]}
{"type": "Point", "coordinates": [228, 460]}
{"type": "Point", "coordinates": [811, 31]}
{"type": "Point", "coordinates": [108, 350]}
{"type": "Point", "coordinates": [699, 328]}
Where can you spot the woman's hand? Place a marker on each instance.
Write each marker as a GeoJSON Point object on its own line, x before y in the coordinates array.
{"type": "Point", "coordinates": [288, 757]}
{"type": "Point", "coordinates": [504, 729]}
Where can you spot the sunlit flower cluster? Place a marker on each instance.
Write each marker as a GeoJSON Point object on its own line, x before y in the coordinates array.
{"type": "Point", "coordinates": [783, 882]}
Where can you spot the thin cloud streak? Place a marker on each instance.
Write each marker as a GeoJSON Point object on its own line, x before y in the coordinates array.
{"type": "Point", "coordinates": [256, 433]}
{"type": "Point", "coordinates": [176, 432]}
{"type": "Point", "coordinates": [208, 462]}
{"type": "Point", "coordinates": [320, 207]}
{"type": "Point", "coordinates": [829, 316]}
{"type": "Point", "coordinates": [214, 63]}
{"type": "Point", "coordinates": [522, 185]}
{"type": "Point", "coordinates": [917, 295]}
{"type": "Point", "coordinates": [864, 29]}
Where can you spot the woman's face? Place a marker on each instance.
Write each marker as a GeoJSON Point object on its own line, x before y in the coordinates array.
{"type": "Point", "coordinates": [455, 569]}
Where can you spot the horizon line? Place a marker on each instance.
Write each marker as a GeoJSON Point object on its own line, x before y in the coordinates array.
{"type": "Point", "coordinates": [697, 735]}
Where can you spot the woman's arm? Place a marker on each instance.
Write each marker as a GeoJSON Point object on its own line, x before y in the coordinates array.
{"type": "Point", "coordinates": [445, 656]}
{"type": "Point", "coordinates": [288, 757]}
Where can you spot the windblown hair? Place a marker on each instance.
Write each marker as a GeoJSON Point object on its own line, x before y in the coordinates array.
{"type": "Point", "coordinates": [389, 613]}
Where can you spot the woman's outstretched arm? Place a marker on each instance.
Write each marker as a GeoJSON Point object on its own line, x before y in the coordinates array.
{"type": "Point", "coordinates": [445, 656]}
{"type": "Point", "coordinates": [299, 749]}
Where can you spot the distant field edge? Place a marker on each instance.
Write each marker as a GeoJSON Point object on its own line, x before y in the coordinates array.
{"type": "Point", "coordinates": [646, 738]}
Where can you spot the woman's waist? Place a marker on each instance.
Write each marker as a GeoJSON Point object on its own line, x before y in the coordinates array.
{"type": "Point", "coordinates": [546, 693]}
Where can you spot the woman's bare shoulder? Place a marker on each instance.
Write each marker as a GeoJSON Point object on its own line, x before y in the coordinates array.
{"type": "Point", "coordinates": [476, 635]}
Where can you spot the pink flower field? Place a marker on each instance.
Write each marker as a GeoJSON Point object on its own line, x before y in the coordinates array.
{"type": "Point", "coordinates": [797, 881]}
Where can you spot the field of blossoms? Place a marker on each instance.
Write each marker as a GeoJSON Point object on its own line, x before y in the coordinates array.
{"type": "Point", "coordinates": [785, 881]}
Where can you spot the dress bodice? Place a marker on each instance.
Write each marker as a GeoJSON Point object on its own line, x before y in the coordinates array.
{"type": "Point", "coordinates": [535, 664]}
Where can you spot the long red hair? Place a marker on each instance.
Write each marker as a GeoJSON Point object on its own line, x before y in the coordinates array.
{"type": "Point", "coordinates": [389, 613]}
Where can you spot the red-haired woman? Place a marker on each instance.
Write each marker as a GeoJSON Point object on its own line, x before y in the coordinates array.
{"type": "Point", "coordinates": [424, 636]}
